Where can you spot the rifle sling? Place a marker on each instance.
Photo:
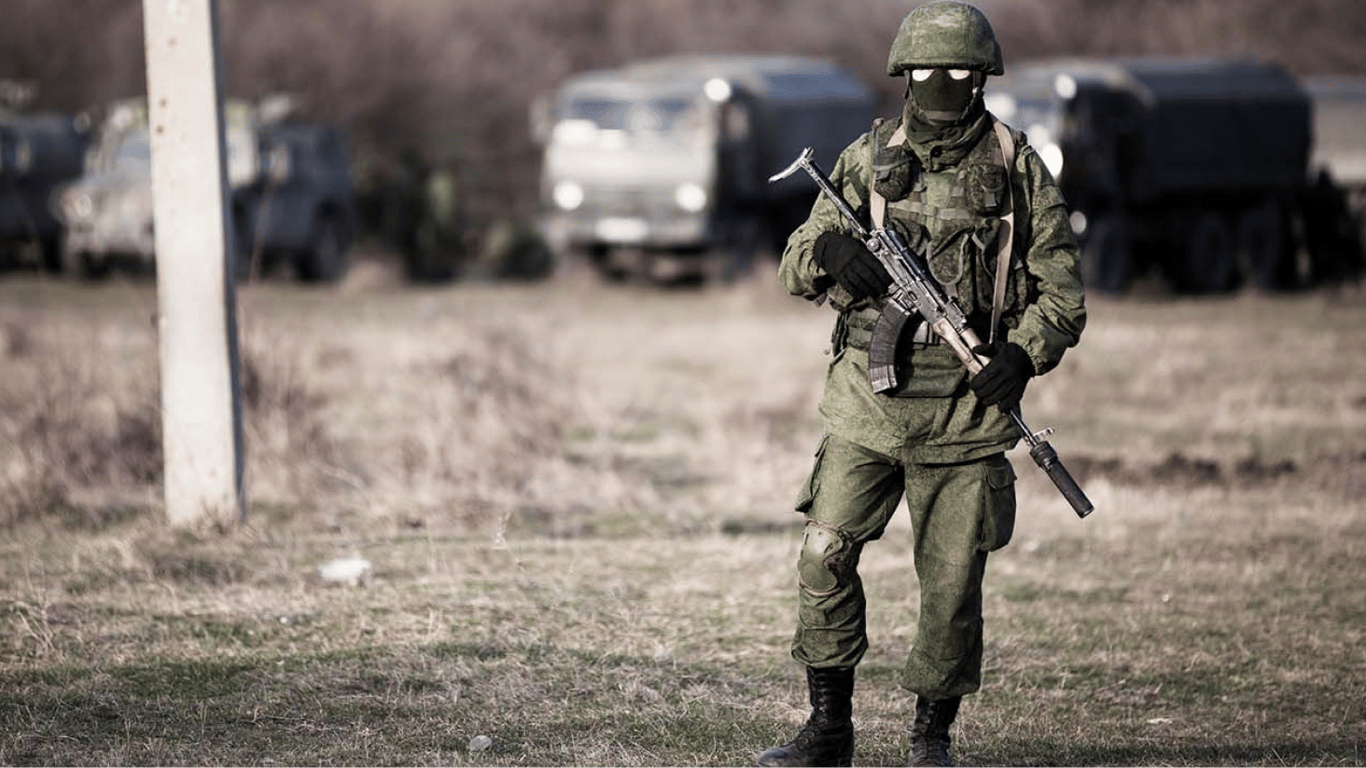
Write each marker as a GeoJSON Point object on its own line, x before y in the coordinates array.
{"type": "Point", "coordinates": [1004, 239]}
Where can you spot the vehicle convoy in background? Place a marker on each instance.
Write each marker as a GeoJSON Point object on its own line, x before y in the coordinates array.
{"type": "Point", "coordinates": [291, 195]}
{"type": "Point", "coordinates": [38, 152]}
{"type": "Point", "coordinates": [1198, 169]}
{"type": "Point", "coordinates": [658, 170]}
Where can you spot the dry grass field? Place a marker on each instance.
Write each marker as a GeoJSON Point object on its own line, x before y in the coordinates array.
{"type": "Point", "coordinates": [576, 501]}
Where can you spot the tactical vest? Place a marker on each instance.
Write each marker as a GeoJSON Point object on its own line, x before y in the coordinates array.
{"type": "Point", "coordinates": [953, 218]}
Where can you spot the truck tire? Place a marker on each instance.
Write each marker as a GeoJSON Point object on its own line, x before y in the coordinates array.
{"type": "Point", "coordinates": [325, 259]}
{"type": "Point", "coordinates": [78, 265]}
{"type": "Point", "coordinates": [1209, 263]}
{"type": "Point", "coordinates": [244, 264]}
{"type": "Point", "coordinates": [1107, 254]}
{"type": "Point", "coordinates": [50, 254]}
{"type": "Point", "coordinates": [732, 258]}
{"type": "Point", "coordinates": [1261, 246]}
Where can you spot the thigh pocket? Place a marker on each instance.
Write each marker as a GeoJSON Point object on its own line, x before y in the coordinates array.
{"type": "Point", "coordinates": [998, 504]}
{"type": "Point", "coordinates": [813, 481]}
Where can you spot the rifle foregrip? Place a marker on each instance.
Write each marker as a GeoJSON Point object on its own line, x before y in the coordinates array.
{"type": "Point", "coordinates": [1048, 461]}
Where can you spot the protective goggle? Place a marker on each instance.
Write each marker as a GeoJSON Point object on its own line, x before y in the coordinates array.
{"type": "Point", "coordinates": [921, 75]}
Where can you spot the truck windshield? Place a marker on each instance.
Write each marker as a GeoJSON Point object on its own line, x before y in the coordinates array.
{"type": "Point", "coordinates": [134, 154]}
{"type": "Point", "coordinates": [1036, 113]}
{"type": "Point", "coordinates": [606, 114]}
{"type": "Point", "coordinates": [665, 114]}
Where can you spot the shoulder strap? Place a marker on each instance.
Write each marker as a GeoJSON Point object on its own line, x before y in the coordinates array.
{"type": "Point", "coordinates": [1005, 239]}
{"type": "Point", "coordinates": [877, 209]}
{"type": "Point", "coordinates": [877, 204]}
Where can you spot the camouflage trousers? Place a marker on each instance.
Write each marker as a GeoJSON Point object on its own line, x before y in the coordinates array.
{"type": "Point", "coordinates": [959, 513]}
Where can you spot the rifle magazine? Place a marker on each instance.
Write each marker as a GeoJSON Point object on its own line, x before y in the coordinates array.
{"type": "Point", "coordinates": [882, 347]}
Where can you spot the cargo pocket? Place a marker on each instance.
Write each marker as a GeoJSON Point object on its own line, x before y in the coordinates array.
{"type": "Point", "coordinates": [813, 483]}
{"type": "Point", "coordinates": [998, 513]}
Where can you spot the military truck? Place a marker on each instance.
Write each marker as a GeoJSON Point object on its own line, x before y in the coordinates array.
{"type": "Point", "coordinates": [39, 151]}
{"type": "Point", "coordinates": [1196, 169]}
{"type": "Point", "coordinates": [658, 170]}
{"type": "Point", "coordinates": [1338, 160]}
{"type": "Point", "coordinates": [291, 195]}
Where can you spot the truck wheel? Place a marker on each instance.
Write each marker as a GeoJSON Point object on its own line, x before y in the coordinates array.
{"type": "Point", "coordinates": [50, 254]}
{"type": "Point", "coordinates": [243, 253]}
{"type": "Point", "coordinates": [1107, 254]}
{"type": "Point", "coordinates": [325, 258]}
{"type": "Point", "coordinates": [83, 266]}
{"type": "Point", "coordinates": [609, 264]}
{"type": "Point", "coordinates": [1210, 260]}
{"type": "Point", "coordinates": [733, 257]}
{"type": "Point", "coordinates": [1261, 246]}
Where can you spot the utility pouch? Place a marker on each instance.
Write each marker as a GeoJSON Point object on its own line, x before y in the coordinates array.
{"type": "Point", "coordinates": [998, 506]}
{"type": "Point", "coordinates": [839, 337]}
{"type": "Point", "coordinates": [894, 172]}
{"type": "Point", "coordinates": [986, 189]}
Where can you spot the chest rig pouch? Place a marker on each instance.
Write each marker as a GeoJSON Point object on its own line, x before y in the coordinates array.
{"type": "Point", "coordinates": [961, 210]}
{"type": "Point", "coordinates": [961, 220]}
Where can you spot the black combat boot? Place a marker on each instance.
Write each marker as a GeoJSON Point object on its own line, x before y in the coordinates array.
{"type": "Point", "coordinates": [930, 738]}
{"type": "Point", "coordinates": [828, 736]}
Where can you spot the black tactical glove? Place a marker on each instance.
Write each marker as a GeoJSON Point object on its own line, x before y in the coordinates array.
{"type": "Point", "coordinates": [852, 265]}
{"type": "Point", "coordinates": [1002, 382]}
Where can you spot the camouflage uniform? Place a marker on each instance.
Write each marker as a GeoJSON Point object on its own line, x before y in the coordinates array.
{"type": "Point", "coordinates": [930, 441]}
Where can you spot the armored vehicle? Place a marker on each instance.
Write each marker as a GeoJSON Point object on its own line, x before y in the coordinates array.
{"type": "Point", "coordinates": [38, 153]}
{"type": "Point", "coordinates": [1194, 168]}
{"type": "Point", "coordinates": [290, 192]}
{"type": "Point", "coordinates": [657, 170]}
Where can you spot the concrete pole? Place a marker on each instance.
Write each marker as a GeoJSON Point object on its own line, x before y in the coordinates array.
{"type": "Point", "coordinates": [201, 410]}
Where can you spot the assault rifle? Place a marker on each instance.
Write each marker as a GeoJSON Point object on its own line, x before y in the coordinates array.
{"type": "Point", "coordinates": [914, 291]}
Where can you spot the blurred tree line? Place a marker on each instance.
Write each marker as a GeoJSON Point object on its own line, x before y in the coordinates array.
{"type": "Point", "coordinates": [452, 80]}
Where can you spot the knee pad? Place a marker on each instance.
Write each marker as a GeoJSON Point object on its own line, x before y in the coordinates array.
{"type": "Point", "coordinates": [827, 560]}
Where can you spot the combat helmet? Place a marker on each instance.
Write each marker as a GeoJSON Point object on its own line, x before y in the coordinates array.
{"type": "Point", "coordinates": [946, 33]}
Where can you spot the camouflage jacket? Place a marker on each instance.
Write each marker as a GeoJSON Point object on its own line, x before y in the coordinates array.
{"type": "Point", "coordinates": [934, 418]}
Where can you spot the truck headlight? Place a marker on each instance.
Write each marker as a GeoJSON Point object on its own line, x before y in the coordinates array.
{"type": "Point", "coordinates": [567, 195]}
{"type": "Point", "coordinates": [690, 197]}
{"type": "Point", "coordinates": [77, 205]}
{"type": "Point", "coordinates": [278, 165]}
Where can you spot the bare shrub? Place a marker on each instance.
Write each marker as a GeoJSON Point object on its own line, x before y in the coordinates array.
{"type": "Point", "coordinates": [289, 452]}
{"type": "Point", "coordinates": [66, 432]}
{"type": "Point", "coordinates": [487, 429]}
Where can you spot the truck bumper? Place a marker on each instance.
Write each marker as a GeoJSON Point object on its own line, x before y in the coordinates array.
{"type": "Point", "coordinates": [135, 243]}
{"type": "Point", "coordinates": [588, 230]}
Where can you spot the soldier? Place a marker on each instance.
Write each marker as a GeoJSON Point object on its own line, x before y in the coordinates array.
{"type": "Point", "coordinates": [944, 173]}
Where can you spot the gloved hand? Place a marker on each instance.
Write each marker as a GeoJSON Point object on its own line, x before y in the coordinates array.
{"type": "Point", "coordinates": [852, 265]}
{"type": "Point", "coordinates": [1002, 382]}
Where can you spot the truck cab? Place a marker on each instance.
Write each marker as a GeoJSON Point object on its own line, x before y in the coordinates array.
{"type": "Point", "coordinates": [658, 170]}
{"type": "Point", "coordinates": [39, 152]}
{"type": "Point", "coordinates": [1192, 168]}
{"type": "Point", "coordinates": [290, 194]}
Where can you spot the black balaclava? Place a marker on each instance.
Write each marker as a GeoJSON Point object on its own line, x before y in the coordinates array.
{"type": "Point", "coordinates": [943, 117]}
{"type": "Point", "coordinates": [943, 100]}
